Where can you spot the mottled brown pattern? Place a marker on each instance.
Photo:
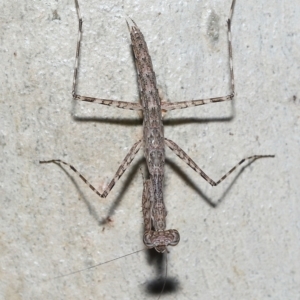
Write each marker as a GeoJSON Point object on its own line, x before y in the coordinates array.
{"type": "Point", "coordinates": [154, 211]}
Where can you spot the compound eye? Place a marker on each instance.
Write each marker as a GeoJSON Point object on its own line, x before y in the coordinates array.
{"type": "Point", "coordinates": [147, 240]}
{"type": "Point", "coordinates": [176, 238]}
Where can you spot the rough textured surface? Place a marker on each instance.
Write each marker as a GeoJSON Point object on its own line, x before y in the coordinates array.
{"type": "Point", "coordinates": [247, 247]}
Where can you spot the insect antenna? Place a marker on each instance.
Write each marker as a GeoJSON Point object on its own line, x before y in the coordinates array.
{"type": "Point", "coordinates": [97, 265]}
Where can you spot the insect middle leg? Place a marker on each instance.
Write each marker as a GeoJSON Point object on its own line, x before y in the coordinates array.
{"type": "Point", "coordinates": [185, 157]}
{"type": "Point", "coordinates": [124, 165]}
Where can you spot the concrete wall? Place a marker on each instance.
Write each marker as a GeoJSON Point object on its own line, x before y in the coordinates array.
{"type": "Point", "coordinates": [246, 247]}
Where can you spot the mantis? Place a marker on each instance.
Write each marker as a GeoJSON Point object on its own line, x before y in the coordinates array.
{"type": "Point", "coordinates": [153, 142]}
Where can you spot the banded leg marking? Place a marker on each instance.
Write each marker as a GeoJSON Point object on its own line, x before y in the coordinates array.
{"type": "Point", "coordinates": [190, 103]}
{"type": "Point", "coordinates": [124, 165]}
{"type": "Point", "coordinates": [114, 103]}
{"type": "Point", "coordinates": [185, 157]}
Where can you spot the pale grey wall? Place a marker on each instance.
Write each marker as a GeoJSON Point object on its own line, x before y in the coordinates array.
{"type": "Point", "coordinates": [245, 248]}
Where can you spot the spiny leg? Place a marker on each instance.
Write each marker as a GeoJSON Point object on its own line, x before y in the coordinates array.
{"type": "Point", "coordinates": [114, 103]}
{"type": "Point", "coordinates": [158, 239]}
{"type": "Point", "coordinates": [124, 165]}
{"type": "Point", "coordinates": [181, 154]}
{"type": "Point", "coordinates": [146, 205]}
{"type": "Point", "coordinates": [185, 104]}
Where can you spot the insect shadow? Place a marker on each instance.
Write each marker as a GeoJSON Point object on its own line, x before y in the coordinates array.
{"type": "Point", "coordinates": [161, 283]}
